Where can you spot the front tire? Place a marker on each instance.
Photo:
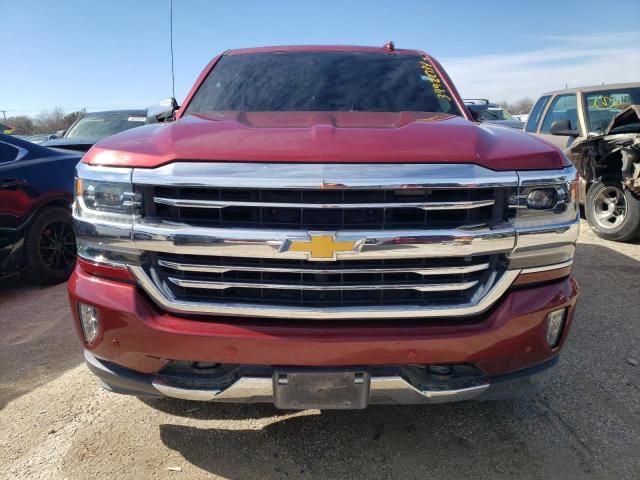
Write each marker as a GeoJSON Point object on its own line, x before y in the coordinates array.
{"type": "Point", "coordinates": [613, 213]}
{"type": "Point", "coordinates": [51, 246]}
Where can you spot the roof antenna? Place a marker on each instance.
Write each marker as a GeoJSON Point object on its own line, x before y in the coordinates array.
{"type": "Point", "coordinates": [389, 46]}
{"type": "Point", "coordinates": [173, 80]}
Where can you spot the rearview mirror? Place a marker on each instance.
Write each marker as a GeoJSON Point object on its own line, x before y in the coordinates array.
{"type": "Point", "coordinates": [163, 111]}
{"type": "Point", "coordinates": [563, 127]}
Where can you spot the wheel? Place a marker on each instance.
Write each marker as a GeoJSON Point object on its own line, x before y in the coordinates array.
{"type": "Point", "coordinates": [51, 246]}
{"type": "Point", "coordinates": [613, 213]}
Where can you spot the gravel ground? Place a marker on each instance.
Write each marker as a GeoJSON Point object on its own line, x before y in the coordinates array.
{"type": "Point", "coordinates": [56, 423]}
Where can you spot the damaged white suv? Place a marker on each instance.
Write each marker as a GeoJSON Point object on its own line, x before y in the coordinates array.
{"type": "Point", "coordinates": [599, 129]}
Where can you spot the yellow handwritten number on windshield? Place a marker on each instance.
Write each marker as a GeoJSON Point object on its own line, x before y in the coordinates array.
{"type": "Point", "coordinates": [602, 101]}
{"type": "Point", "coordinates": [438, 86]}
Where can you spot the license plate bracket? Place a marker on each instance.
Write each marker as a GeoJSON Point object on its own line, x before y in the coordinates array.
{"type": "Point", "coordinates": [295, 389]}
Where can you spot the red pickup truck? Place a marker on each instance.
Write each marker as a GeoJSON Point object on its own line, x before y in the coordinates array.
{"type": "Point", "coordinates": [323, 227]}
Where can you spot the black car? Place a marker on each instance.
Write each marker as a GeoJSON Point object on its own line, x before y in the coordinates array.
{"type": "Point", "coordinates": [92, 127]}
{"type": "Point", "coordinates": [36, 193]}
{"type": "Point", "coordinates": [486, 112]}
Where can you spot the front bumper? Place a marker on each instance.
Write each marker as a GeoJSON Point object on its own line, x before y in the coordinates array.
{"type": "Point", "coordinates": [137, 341]}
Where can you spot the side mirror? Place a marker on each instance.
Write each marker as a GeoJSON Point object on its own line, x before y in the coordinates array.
{"type": "Point", "coordinates": [163, 111]}
{"type": "Point", "coordinates": [563, 127]}
{"type": "Point", "coordinates": [60, 133]}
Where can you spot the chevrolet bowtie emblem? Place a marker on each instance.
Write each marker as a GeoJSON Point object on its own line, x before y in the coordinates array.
{"type": "Point", "coordinates": [322, 246]}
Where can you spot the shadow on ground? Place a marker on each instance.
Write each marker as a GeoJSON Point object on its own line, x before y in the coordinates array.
{"type": "Point", "coordinates": [446, 441]}
{"type": "Point", "coordinates": [37, 343]}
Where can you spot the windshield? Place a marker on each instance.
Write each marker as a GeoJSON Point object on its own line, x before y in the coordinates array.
{"type": "Point", "coordinates": [601, 106]}
{"type": "Point", "coordinates": [323, 81]}
{"type": "Point", "coordinates": [101, 125]}
{"type": "Point", "coordinates": [490, 113]}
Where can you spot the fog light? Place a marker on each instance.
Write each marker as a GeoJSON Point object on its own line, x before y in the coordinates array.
{"type": "Point", "coordinates": [542, 199]}
{"type": "Point", "coordinates": [90, 321]}
{"type": "Point", "coordinates": [555, 322]}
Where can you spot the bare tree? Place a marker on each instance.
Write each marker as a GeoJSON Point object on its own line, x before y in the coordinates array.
{"type": "Point", "coordinates": [520, 107]}
{"type": "Point", "coordinates": [69, 118]}
{"type": "Point", "coordinates": [50, 121]}
{"type": "Point", "coordinates": [22, 125]}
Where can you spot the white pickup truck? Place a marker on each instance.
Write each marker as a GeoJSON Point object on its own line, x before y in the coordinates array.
{"type": "Point", "coordinates": [599, 129]}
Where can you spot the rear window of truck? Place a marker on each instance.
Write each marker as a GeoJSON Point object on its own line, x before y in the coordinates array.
{"type": "Point", "coordinates": [323, 81]}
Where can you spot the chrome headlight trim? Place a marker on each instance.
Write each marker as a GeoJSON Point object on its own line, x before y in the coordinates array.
{"type": "Point", "coordinates": [565, 209]}
{"type": "Point", "coordinates": [546, 237]}
{"type": "Point", "coordinates": [89, 178]}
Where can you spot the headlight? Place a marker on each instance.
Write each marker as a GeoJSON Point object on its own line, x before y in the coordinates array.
{"type": "Point", "coordinates": [105, 194]}
{"type": "Point", "coordinates": [542, 198]}
{"type": "Point", "coordinates": [545, 201]}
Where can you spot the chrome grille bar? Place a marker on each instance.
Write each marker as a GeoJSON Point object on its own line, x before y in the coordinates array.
{"type": "Point", "coordinates": [319, 175]}
{"type": "Point", "coordinates": [477, 304]}
{"type": "Point", "coordinates": [211, 285]}
{"type": "Point", "coordinates": [193, 203]}
{"type": "Point", "coordinates": [194, 267]}
{"type": "Point", "coordinates": [168, 237]}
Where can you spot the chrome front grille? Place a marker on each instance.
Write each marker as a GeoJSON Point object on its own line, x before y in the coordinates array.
{"type": "Point", "coordinates": [328, 209]}
{"type": "Point", "coordinates": [233, 238]}
{"type": "Point", "coordinates": [328, 241]}
{"type": "Point", "coordinates": [295, 283]}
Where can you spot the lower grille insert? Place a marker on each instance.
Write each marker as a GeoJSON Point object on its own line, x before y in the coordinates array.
{"type": "Point", "coordinates": [299, 283]}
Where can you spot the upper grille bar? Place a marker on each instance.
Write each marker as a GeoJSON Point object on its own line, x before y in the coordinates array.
{"type": "Point", "coordinates": [193, 203]}
{"type": "Point", "coordinates": [323, 176]}
{"type": "Point", "coordinates": [193, 267]}
{"type": "Point", "coordinates": [435, 287]}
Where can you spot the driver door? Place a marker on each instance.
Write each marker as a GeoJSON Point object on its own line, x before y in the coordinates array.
{"type": "Point", "coordinates": [563, 107]}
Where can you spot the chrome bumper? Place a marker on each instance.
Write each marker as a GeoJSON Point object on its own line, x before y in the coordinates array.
{"type": "Point", "coordinates": [383, 390]}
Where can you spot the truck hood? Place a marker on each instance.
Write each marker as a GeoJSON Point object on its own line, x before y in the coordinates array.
{"type": "Point", "coordinates": [328, 137]}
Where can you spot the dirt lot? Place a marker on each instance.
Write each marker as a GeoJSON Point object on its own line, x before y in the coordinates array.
{"type": "Point", "coordinates": [57, 423]}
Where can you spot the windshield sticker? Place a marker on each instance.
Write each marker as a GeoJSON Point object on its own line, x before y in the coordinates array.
{"type": "Point", "coordinates": [438, 85]}
{"type": "Point", "coordinates": [137, 119]}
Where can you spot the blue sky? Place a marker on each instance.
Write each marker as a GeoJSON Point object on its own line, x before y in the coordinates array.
{"type": "Point", "coordinates": [113, 54]}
